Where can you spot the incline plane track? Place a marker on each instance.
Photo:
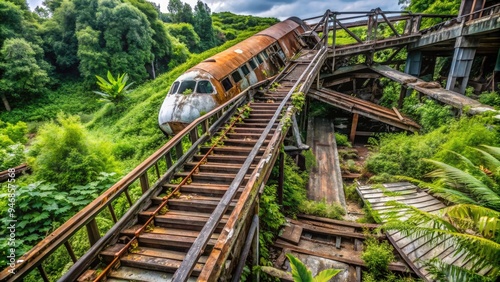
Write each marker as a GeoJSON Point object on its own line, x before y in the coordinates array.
{"type": "Point", "coordinates": [198, 210]}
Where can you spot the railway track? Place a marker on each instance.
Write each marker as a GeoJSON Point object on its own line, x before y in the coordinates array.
{"type": "Point", "coordinates": [166, 230]}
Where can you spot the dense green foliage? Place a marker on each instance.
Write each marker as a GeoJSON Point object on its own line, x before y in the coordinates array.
{"type": "Point", "coordinates": [40, 207]}
{"type": "Point", "coordinates": [12, 140]}
{"type": "Point", "coordinates": [64, 153]}
{"type": "Point", "coordinates": [401, 154]}
{"type": "Point", "coordinates": [377, 256]}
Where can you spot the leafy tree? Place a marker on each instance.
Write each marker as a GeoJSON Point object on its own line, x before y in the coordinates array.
{"type": "Point", "coordinates": [180, 12]}
{"type": "Point", "coordinates": [65, 154]}
{"type": "Point", "coordinates": [161, 45]}
{"type": "Point", "coordinates": [21, 73]}
{"type": "Point", "coordinates": [203, 26]}
{"type": "Point", "coordinates": [60, 40]}
{"type": "Point", "coordinates": [186, 34]}
{"type": "Point", "coordinates": [12, 18]}
{"type": "Point", "coordinates": [472, 225]}
{"type": "Point", "coordinates": [113, 90]}
{"type": "Point", "coordinates": [300, 273]}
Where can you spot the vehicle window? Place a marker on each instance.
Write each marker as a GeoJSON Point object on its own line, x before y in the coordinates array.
{"type": "Point", "coordinates": [204, 86]}
{"type": "Point", "coordinates": [174, 87]}
{"type": "Point", "coordinates": [282, 55]}
{"type": "Point", "coordinates": [252, 63]}
{"type": "Point", "coordinates": [226, 83]}
{"type": "Point", "coordinates": [245, 69]}
{"type": "Point", "coordinates": [265, 54]}
{"type": "Point", "coordinates": [236, 76]}
{"type": "Point", "coordinates": [187, 87]}
{"type": "Point", "coordinates": [259, 58]}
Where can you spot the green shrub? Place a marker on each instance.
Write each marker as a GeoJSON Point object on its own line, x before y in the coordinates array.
{"type": "Point", "coordinates": [12, 138]}
{"type": "Point", "coordinates": [490, 98]}
{"type": "Point", "coordinates": [377, 257]}
{"type": "Point", "coordinates": [64, 153]}
{"type": "Point", "coordinates": [342, 140]}
{"type": "Point", "coordinates": [322, 209]}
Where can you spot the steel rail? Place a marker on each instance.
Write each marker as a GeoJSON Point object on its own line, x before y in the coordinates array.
{"type": "Point", "coordinates": [164, 202]}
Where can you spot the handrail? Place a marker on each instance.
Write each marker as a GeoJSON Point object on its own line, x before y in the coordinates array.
{"type": "Point", "coordinates": [187, 265]}
{"type": "Point", "coordinates": [87, 215]}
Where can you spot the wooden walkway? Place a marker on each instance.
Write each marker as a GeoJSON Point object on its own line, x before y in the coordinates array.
{"type": "Point", "coordinates": [325, 180]}
{"type": "Point", "coordinates": [415, 251]}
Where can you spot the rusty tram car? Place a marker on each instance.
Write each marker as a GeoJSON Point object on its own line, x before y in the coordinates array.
{"type": "Point", "coordinates": [222, 76]}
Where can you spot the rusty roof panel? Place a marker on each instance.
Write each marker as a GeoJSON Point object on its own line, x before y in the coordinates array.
{"type": "Point", "coordinates": [226, 61]}
{"type": "Point", "coordinates": [223, 63]}
{"type": "Point", "coordinates": [280, 29]}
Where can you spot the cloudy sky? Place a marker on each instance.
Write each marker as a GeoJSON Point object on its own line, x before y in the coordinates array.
{"type": "Point", "coordinates": [282, 9]}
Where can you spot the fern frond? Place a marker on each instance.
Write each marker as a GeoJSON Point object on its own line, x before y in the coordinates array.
{"type": "Point", "coordinates": [469, 184]}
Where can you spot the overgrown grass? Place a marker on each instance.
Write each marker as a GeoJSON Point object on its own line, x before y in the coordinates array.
{"type": "Point", "coordinates": [401, 154]}
{"type": "Point", "coordinates": [323, 209]}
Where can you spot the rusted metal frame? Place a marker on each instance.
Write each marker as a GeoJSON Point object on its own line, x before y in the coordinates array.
{"type": "Point", "coordinates": [349, 32]}
{"type": "Point", "coordinates": [394, 54]}
{"type": "Point", "coordinates": [187, 265]}
{"type": "Point", "coordinates": [61, 235]}
{"type": "Point", "coordinates": [226, 112]}
{"type": "Point", "coordinates": [322, 21]}
{"type": "Point", "coordinates": [246, 248]}
{"type": "Point", "coordinates": [390, 25]}
{"type": "Point", "coordinates": [334, 42]}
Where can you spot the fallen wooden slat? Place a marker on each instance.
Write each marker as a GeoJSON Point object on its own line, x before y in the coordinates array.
{"type": "Point", "coordinates": [394, 266]}
{"type": "Point", "coordinates": [291, 233]}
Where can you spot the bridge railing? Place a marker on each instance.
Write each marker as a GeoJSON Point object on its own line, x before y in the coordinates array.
{"type": "Point", "coordinates": [376, 22]}
{"type": "Point", "coordinates": [143, 181]}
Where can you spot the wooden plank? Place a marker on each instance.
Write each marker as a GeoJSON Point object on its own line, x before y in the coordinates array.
{"type": "Point", "coordinates": [354, 260]}
{"type": "Point", "coordinates": [397, 113]}
{"type": "Point", "coordinates": [291, 233]}
{"type": "Point", "coordinates": [339, 222]}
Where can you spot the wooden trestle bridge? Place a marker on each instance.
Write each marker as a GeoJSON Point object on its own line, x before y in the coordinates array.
{"type": "Point", "coordinates": [197, 214]}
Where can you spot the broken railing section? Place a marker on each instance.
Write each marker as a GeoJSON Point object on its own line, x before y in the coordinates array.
{"type": "Point", "coordinates": [145, 179]}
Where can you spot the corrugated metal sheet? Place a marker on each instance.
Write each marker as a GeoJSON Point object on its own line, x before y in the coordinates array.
{"type": "Point", "coordinates": [223, 63]}
{"type": "Point", "coordinates": [280, 29]}
{"type": "Point", "coordinates": [415, 250]}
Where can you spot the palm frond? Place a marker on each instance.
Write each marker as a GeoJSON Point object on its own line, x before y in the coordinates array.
{"type": "Point", "coordinates": [467, 183]}
{"type": "Point", "coordinates": [495, 151]}
{"type": "Point", "coordinates": [447, 272]}
{"type": "Point", "coordinates": [491, 161]}
{"type": "Point", "coordinates": [483, 220]}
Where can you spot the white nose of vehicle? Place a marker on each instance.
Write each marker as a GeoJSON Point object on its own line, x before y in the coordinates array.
{"type": "Point", "coordinates": [178, 110]}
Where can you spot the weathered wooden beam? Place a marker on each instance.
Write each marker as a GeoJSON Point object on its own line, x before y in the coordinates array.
{"type": "Point", "coordinates": [354, 125]}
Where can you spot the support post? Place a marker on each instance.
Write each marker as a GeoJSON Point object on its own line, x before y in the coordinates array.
{"type": "Point", "coordinates": [402, 95]}
{"type": "Point", "coordinates": [354, 125]}
{"type": "Point", "coordinates": [93, 232]}
{"type": "Point", "coordinates": [465, 50]}
{"type": "Point", "coordinates": [281, 178]}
